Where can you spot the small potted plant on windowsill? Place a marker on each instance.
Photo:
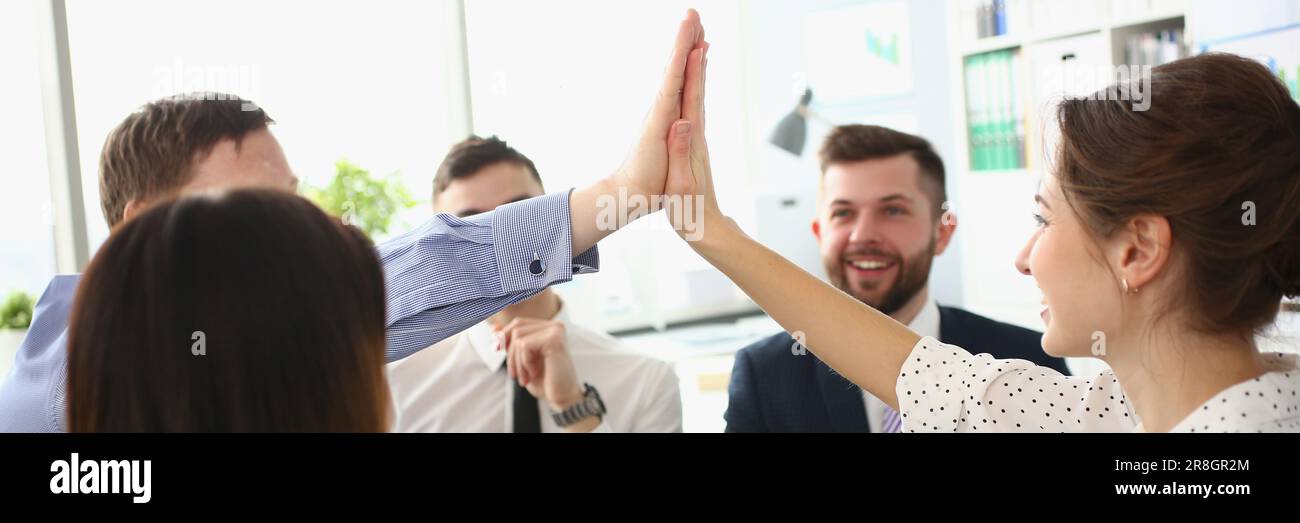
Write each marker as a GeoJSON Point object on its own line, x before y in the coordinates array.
{"type": "Point", "coordinates": [368, 202]}
{"type": "Point", "coordinates": [15, 317]}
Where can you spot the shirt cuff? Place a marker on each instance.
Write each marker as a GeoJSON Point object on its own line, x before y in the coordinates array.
{"type": "Point", "coordinates": [534, 245]}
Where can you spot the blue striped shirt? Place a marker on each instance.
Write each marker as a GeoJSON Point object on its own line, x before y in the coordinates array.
{"type": "Point", "coordinates": [441, 278]}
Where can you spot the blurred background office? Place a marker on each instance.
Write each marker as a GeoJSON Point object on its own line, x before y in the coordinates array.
{"type": "Point", "coordinates": [369, 96]}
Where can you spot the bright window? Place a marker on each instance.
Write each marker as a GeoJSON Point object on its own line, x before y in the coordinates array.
{"type": "Point", "coordinates": [27, 252]}
{"type": "Point", "coordinates": [363, 81]}
{"type": "Point", "coordinates": [571, 94]}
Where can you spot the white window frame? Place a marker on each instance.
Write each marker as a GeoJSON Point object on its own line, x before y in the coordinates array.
{"type": "Point", "coordinates": [71, 247]}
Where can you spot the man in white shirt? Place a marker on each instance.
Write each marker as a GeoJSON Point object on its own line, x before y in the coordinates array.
{"type": "Point", "coordinates": [584, 382]}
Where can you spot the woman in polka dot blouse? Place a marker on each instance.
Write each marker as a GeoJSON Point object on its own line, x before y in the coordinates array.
{"type": "Point", "coordinates": [1167, 235]}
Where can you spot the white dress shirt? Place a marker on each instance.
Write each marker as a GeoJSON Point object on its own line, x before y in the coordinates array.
{"type": "Point", "coordinates": [926, 323]}
{"type": "Point", "coordinates": [460, 385]}
{"type": "Point", "coordinates": [985, 394]}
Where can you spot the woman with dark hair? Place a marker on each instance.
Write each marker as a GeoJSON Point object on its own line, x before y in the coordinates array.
{"type": "Point", "coordinates": [248, 311]}
{"type": "Point", "coordinates": [1166, 240]}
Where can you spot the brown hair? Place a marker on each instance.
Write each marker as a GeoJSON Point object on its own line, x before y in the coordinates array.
{"type": "Point", "coordinates": [150, 153]}
{"type": "Point", "coordinates": [855, 143]}
{"type": "Point", "coordinates": [472, 155]}
{"type": "Point", "coordinates": [287, 302]}
{"type": "Point", "coordinates": [1221, 135]}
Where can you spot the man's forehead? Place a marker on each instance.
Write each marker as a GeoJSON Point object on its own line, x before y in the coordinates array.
{"type": "Point", "coordinates": [489, 187]}
{"type": "Point", "coordinates": [875, 180]}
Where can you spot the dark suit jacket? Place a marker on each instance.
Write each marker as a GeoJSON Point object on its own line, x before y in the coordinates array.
{"type": "Point", "coordinates": [773, 390]}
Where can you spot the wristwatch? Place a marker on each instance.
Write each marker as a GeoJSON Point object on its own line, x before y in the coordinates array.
{"type": "Point", "coordinates": [591, 405]}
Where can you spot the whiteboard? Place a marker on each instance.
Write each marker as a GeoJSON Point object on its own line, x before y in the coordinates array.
{"type": "Point", "coordinates": [859, 52]}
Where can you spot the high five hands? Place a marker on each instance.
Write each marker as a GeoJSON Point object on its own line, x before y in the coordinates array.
{"type": "Point", "coordinates": [670, 159]}
{"type": "Point", "coordinates": [675, 125]}
{"type": "Point", "coordinates": [690, 199]}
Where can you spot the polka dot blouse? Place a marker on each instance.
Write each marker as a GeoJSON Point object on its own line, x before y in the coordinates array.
{"type": "Point", "coordinates": [943, 388]}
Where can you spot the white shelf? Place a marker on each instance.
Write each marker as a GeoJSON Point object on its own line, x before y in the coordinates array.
{"type": "Point", "coordinates": [992, 43]}
{"type": "Point", "coordinates": [1165, 13]}
{"type": "Point", "coordinates": [1001, 42]}
{"type": "Point", "coordinates": [1146, 19]}
{"type": "Point", "coordinates": [1065, 33]}
{"type": "Point", "coordinates": [995, 204]}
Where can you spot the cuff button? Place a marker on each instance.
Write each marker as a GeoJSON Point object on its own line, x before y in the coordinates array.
{"type": "Point", "coordinates": [537, 267]}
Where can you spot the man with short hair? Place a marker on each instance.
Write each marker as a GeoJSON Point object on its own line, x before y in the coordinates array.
{"type": "Point", "coordinates": [469, 383]}
{"type": "Point", "coordinates": [881, 220]}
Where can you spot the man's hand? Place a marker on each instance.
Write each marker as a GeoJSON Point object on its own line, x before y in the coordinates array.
{"type": "Point", "coordinates": [536, 357]}
{"type": "Point", "coordinates": [645, 170]}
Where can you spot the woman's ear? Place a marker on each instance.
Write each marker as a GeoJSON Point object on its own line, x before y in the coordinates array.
{"type": "Point", "coordinates": [1141, 250]}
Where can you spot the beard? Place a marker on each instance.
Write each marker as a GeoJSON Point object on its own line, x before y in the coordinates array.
{"type": "Point", "coordinates": [913, 274]}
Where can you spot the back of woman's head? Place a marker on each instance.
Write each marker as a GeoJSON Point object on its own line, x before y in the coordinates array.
{"type": "Point", "coordinates": [248, 310]}
{"type": "Point", "coordinates": [1218, 155]}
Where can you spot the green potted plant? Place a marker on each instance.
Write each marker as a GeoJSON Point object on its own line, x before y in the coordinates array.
{"type": "Point", "coordinates": [15, 317]}
{"type": "Point", "coordinates": [361, 200]}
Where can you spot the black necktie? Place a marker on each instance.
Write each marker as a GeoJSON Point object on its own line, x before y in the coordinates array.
{"type": "Point", "coordinates": [527, 419]}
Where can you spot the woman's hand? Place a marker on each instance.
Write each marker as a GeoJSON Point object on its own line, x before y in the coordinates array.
{"type": "Point", "coordinates": [861, 343]}
{"type": "Point", "coordinates": [690, 200]}
{"type": "Point", "coordinates": [644, 172]}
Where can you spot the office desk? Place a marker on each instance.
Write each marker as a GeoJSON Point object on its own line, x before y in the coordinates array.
{"type": "Point", "coordinates": [702, 356]}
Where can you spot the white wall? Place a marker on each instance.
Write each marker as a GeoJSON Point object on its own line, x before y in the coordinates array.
{"type": "Point", "coordinates": [776, 61]}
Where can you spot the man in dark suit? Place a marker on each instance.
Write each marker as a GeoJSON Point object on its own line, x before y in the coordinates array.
{"type": "Point", "coordinates": [880, 222]}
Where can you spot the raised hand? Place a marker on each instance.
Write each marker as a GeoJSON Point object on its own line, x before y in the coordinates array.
{"type": "Point", "coordinates": [834, 322]}
{"type": "Point", "coordinates": [644, 171]}
{"type": "Point", "coordinates": [691, 199]}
